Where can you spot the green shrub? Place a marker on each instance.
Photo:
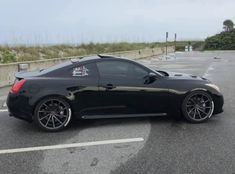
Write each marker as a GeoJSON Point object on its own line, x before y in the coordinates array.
{"type": "Point", "coordinates": [222, 41]}
{"type": "Point", "coordinates": [7, 56]}
{"type": "Point", "coordinates": [24, 53]}
{"type": "Point", "coordinates": [180, 48]}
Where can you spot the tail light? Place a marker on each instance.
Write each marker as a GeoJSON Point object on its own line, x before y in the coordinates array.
{"type": "Point", "coordinates": [16, 87]}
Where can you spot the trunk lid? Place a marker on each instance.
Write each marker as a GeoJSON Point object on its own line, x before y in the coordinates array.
{"type": "Point", "coordinates": [25, 74]}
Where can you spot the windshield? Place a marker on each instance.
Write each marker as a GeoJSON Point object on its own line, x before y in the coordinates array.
{"type": "Point", "coordinates": [155, 71]}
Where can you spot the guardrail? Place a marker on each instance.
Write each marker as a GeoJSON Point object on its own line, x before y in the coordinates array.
{"type": "Point", "coordinates": [7, 71]}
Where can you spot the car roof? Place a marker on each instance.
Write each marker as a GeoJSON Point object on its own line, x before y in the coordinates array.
{"type": "Point", "coordinates": [90, 59]}
{"type": "Point", "coordinates": [82, 60]}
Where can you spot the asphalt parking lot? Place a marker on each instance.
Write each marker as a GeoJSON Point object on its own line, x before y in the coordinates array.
{"type": "Point", "coordinates": [165, 144]}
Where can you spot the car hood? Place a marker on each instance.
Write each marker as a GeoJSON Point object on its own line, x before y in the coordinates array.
{"type": "Point", "coordinates": [177, 75]}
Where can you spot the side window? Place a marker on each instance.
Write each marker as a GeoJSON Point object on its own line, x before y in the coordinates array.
{"type": "Point", "coordinates": [121, 69]}
{"type": "Point", "coordinates": [113, 68]}
{"type": "Point", "coordinates": [138, 72]}
{"type": "Point", "coordinates": [85, 71]}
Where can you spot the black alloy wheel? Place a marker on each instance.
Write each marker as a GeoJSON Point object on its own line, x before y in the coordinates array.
{"type": "Point", "coordinates": [53, 114]}
{"type": "Point", "coordinates": [198, 107]}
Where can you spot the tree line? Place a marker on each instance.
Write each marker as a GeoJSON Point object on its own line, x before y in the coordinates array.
{"type": "Point", "coordinates": [224, 40]}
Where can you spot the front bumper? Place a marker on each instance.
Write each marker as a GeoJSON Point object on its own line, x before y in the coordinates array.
{"type": "Point", "coordinates": [18, 106]}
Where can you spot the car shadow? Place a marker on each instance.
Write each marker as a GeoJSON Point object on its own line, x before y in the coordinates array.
{"type": "Point", "coordinates": [77, 125]}
{"type": "Point", "coordinates": [81, 124]}
{"type": "Point", "coordinates": [86, 124]}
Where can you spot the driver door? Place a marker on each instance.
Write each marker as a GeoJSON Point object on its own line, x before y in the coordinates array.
{"type": "Point", "coordinates": [123, 89]}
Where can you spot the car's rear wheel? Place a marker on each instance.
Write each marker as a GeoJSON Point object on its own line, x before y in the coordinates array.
{"type": "Point", "coordinates": [53, 114]}
{"type": "Point", "coordinates": [198, 107]}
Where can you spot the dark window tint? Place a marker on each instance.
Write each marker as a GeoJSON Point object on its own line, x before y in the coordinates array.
{"type": "Point", "coordinates": [56, 67]}
{"type": "Point", "coordinates": [138, 72]}
{"type": "Point", "coordinates": [120, 69]}
{"type": "Point", "coordinates": [113, 68]}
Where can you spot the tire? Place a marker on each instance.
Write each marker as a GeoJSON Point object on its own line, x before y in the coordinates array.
{"type": "Point", "coordinates": [198, 107]}
{"type": "Point", "coordinates": [52, 114]}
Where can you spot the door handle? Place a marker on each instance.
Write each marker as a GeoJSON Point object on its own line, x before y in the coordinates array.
{"type": "Point", "coordinates": [109, 86]}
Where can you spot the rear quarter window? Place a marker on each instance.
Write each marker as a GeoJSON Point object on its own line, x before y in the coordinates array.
{"type": "Point", "coordinates": [56, 67]}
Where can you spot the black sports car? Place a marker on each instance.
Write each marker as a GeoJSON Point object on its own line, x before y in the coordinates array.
{"type": "Point", "coordinates": [109, 87]}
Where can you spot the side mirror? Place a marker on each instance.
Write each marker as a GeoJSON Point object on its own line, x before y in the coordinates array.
{"type": "Point", "coordinates": [150, 78]}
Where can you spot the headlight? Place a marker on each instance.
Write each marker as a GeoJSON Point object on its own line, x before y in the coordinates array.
{"type": "Point", "coordinates": [213, 86]}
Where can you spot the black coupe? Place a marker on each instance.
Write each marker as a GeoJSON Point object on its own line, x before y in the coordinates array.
{"type": "Point", "coordinates": [109, 87]}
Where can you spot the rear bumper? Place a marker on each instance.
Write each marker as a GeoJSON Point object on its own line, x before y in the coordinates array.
{"type": "Point", "coordinates": [218, 102]}
{"type": "Point", "coordinates": [18, 106]}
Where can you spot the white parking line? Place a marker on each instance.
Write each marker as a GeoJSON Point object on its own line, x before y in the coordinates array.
{"type": "Point", "coordinates": [3, 110]}
{"type": "Point", "coordinates": [63, 146]}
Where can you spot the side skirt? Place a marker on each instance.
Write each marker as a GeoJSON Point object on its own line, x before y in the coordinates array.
{"type": "Point", "coordinates": [123, 115]}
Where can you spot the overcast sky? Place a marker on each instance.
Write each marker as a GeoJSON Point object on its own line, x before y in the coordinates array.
{"type": "Point", "coordinates": [76, 21]}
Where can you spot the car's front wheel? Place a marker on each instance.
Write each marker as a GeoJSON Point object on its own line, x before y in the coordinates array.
{"type": "Point", "coordinates": [198, 107]}
{"type": "Point", "coordinates": [52, 114]}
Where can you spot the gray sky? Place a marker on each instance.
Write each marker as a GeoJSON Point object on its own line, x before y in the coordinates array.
{"type": "Point", "coordinates": [76, 21]}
